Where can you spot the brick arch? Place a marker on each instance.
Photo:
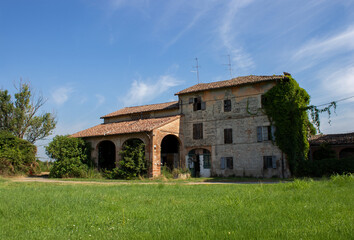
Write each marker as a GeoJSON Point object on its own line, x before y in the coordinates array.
{"type": "Point", "coordinates": [346, 152]}
{"type": "Point", "coordinates": [106, 151]}
{"type": "Point", "coordinates": [170, 151]}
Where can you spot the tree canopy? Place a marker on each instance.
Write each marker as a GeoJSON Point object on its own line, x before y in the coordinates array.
{"type": "Point", "coordinates": [20, 116]}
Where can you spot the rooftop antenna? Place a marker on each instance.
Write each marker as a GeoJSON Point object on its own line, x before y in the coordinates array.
{"type": "Point", "coordinates": [197, 69]}
{"type": "Point", "coordinates": [229, 65]}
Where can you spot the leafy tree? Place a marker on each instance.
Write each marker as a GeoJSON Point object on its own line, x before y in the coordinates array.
{"type": "Point", "coordinates": [72, 156]}
{"type": "Point", "coordinates": [21, 118]}
{"type": "Point", "coordinates": [16, 155]}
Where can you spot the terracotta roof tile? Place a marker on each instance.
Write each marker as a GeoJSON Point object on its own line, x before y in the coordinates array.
{"type": "Point", "coordinates": [141, 125]}
{"type": "Point", "coordinates": [229, 83]}
{"type": "Point", "coordinates": [346, 138]}
{"type": "Point", "coordinates": [144, 108]}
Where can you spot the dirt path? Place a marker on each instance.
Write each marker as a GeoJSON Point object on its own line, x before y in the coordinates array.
{"type": "Point", "coordinates": [47, 180]}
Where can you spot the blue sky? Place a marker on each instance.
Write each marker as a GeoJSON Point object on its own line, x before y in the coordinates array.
{"type": "Point", "coordinates": [90, 57]}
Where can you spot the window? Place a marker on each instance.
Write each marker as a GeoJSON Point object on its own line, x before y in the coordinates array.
{"type": "Point", "coordinates": [265, 133]}
{"type": "Point", "coordinates": [269, 162]}
{"type": "Point", "coordinates": [198, 131]}
{"type": "Point", "coordinates": [227, 105]}
{"type": "Point", "coordinates": [227, 162]}
{"type": "Point", "coordinates": [228, 135]}
{"type": "Point", "coordinates": [263, 100]}
{"type": "Point", "coordinates": [197, 103]}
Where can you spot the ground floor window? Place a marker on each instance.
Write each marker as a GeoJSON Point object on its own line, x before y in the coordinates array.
{"type": "Point", "coordinates": [227, 162]}
{"type": "Point", "coordinates": [269, 162]}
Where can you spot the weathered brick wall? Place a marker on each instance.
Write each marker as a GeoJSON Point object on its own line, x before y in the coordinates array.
{"type": "Point", "coordinates": [244, 118]}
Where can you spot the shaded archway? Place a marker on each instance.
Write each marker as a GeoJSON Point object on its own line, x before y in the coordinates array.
{"type": "Point", "coordinates": [106, 155]}
{"type": "Point", "coordinates": [346, 153]}
{"type": "Point", "coordinates": [170, 151]}
{"type": "Point", "coordinates": [199, 162]}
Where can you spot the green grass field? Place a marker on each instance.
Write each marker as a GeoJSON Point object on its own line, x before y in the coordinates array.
{"type": "Point", "coordinates": [295, 210]}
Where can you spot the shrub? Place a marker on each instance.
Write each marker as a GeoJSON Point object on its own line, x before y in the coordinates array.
{"type": "Point", "coordinates": [72, 157]}
{"type": "Point", "coordinates": [68, 168]}
{"type": "Point", "coordinates": [325, 167]}
{"type": "Point", "coordinates": [132, 163]}
{"type": "Point", "coordinates": [16, 155]}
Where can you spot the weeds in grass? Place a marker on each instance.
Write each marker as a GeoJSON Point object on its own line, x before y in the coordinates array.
{"type": "Point", "coordinates": [342, 179]}
{"type": "Point", "coordinates": [300, 184]}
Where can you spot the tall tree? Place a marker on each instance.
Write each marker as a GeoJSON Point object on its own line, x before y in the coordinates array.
{"type": "Point", "coordinates": [21, 118]}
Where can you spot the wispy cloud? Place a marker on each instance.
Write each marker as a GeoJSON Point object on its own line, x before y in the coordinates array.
{"type": "Point", "coordinates": [142, 92]}
{"type": "Point", "coordinates": [228, 35]}
{"type": "Point", "coordinates": [100, 99]}
{"type": "Point", "coordinates": [318, 50]}
{"type": "Point", "coordinates": [340, 82]}
{"type": "Point", "coordinates": [61, 95]}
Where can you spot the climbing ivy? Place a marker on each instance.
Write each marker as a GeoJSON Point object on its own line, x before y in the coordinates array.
{"type": "Point", "coordinates": [286, 106]}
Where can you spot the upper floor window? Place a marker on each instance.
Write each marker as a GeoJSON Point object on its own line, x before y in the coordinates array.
{"type": "Point", "coordinates": [228, 135]}
{"type": "Point", "coordinates": [227, 105]}
{"type": "Point", "coordinates": [198, 131]}
{"type": "Point", "coordinates": [198, 104]}
{"type": "Point", "coordinates": [265, 133]}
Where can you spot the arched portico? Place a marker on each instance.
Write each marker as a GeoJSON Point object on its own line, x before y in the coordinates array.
{"type": "Point", "coordinates": [106, 155]}
{"type": "Point", "coordinates": [170, 151]}
{"type": "Point", "coordinates": [346, 153]}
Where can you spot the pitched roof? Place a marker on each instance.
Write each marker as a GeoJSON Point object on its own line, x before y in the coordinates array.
{"type": "Point", "coordinates": [229, 83]}
{"type": "Point", "coordinates": [346, 138]}
{"type": "Point", "coordinates": [141, 125]}
{"type": "Point", "coordinates": [144, 108]}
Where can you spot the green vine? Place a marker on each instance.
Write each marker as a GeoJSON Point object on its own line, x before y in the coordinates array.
{"type": "Point", "coordinates": [284, 107]}
{"type": "Point", "coordinates": [315, 113]}
{"type": "Point", "coordinates": [287, 106]}
{"type": "Point", "coordinates": [248, 110]}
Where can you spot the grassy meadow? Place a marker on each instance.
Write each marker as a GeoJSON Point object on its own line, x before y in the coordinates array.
{"type": "Point", "coordinates": [294, 210]}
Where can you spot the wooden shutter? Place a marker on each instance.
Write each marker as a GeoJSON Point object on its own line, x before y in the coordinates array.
{"type": "Point", "coordinates": [259, 134]}
{"type": "Point", "coordinates": [274, 162]}
{"type": "Point", "coordinates": [228, 135]}
{"type": "Point", "coordinates": [264, 162]}
{"type": "Point", "coordinates": [222, 163]}
{"type": "Point", "coordinates": [230, 162]}
{"type": "Point", "coordinates": [203, 105]}
{"type": "Point", "coordinates": [273, 132]}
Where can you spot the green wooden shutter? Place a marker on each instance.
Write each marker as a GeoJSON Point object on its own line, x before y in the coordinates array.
{"type": "Point", "coordinates": [259, 134]}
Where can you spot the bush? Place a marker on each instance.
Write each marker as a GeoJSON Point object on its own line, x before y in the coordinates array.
{"type": "Point", "coordinates": [72, 157]}
{"type": "Point", "coordinates": [325, 167]}
{"type": "Point", "coordinates": [68, 168]}
{"type": "Point", "coordinates": [16, 155]}
{"type": "Point", "coordinates": [132, 164]}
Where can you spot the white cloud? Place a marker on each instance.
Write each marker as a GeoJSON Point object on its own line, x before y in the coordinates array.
{"type": "Point", "coordinates": [340, 83]}
{"type": "Point", "coordinates": [320, 49]}
{"type": "Point", "coordinates": [228, 34]}
{"type": "Point", "coordinates": [61, 95]}
{"type": "Point", "coordinates": [142, 92]}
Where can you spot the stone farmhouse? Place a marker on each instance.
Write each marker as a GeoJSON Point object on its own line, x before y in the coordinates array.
{"type": "Point", "coordinates": [342, 145]}
{"type": "Point", "coordinates": [214, 129]}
